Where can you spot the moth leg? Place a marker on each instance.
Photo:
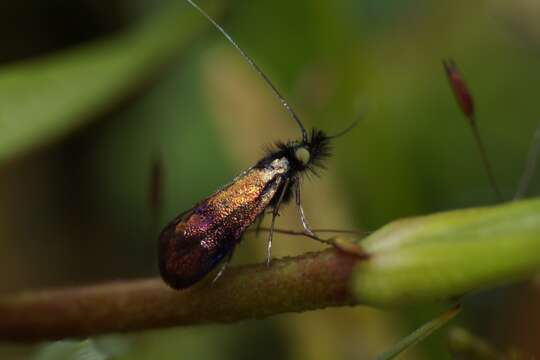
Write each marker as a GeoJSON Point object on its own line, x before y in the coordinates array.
{"type": "Point", "coordinates": [224, 266]}
{"type": "Point", "coordinates": [303, 219]}
{"type": "Point", "coordinates": [275, 213]}
{"type": "Point", "coordinates": [307, 229]}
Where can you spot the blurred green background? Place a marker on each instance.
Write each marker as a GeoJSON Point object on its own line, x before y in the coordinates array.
{"type": "Point", "coordinates": [75, 158]}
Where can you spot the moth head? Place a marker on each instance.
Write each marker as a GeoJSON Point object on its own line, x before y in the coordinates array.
{"type": "Point", "coordinates": [311, 154]}
{"type": "Point", "coordinates": [302, 155]}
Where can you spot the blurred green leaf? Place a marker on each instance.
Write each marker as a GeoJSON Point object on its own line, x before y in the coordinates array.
{"type": "Point", "coordinates": [43, 99]}
{"type": "Point", "coordinates": [443, 256]}
{"type": "Point", "coordinates": [102, 348]}
{"type": "Point", "coordinates": [70, 350]}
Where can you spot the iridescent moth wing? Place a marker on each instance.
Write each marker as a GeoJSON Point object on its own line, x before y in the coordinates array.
{"type": "Point", "coordinates": [195, 242]}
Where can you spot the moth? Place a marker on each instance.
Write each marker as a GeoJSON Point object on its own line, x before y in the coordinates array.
{"type": "Point", "coordinates": [198, 240]}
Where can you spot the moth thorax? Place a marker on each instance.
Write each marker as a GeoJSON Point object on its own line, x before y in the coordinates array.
{"type": "Point", "coordinates": [280, 165]}
{"type": "Point", "coordinates": [302, 155]}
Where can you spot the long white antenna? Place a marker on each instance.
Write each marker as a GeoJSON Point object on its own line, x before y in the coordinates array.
{"type": "Point", "coordinates": [257, 69]}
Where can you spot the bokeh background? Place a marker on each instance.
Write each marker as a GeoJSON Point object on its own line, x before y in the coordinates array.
{"type": "Point", "coordinates": [74, 209]}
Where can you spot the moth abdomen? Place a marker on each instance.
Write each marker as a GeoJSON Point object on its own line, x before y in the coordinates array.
{"type": "Point", "coordinates": [186, 258]}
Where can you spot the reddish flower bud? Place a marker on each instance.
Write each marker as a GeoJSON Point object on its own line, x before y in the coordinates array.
{"type": "Point", "coordinates": [460, 89]}
{"type": "Point", "coordinates": [466, 103]}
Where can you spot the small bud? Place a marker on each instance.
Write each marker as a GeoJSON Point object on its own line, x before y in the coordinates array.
{"type": "Point", "coordinates": [466, 103]}
{"type": "Point", "coordinates": [460, 89]}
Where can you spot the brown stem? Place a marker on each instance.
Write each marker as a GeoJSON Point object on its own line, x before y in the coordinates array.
{"type": "Point", "coordinates": [485, 159]}
{"type": "Point", "coordinates": [311, 281]}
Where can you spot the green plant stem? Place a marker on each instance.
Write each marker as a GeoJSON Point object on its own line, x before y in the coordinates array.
{"type": "Point", "coordinates": [464, 344]}
{"type": "Point", "coordinates": [420, 334]}
{"type": "Point", "coordinates": [311, 281]}
{"type": "Point", "coordinates": [442, 256]}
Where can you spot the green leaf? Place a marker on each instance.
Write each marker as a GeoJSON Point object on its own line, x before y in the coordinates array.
{"type": "Point", "coordinates": [70, 350]}
{"type": "Point", "coordinates": [419, 334]}
{"type": "Point", "coordinates": [43, 99]}
{"type": "Point", "coordinates": [443, 256]}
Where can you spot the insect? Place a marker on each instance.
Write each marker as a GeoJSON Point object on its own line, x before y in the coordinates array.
{"type": "Point", "coordinates": [198, 240]}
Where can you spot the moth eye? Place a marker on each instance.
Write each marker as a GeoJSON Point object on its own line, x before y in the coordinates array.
{"type": "Point", "coordinates": [302, 155]}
